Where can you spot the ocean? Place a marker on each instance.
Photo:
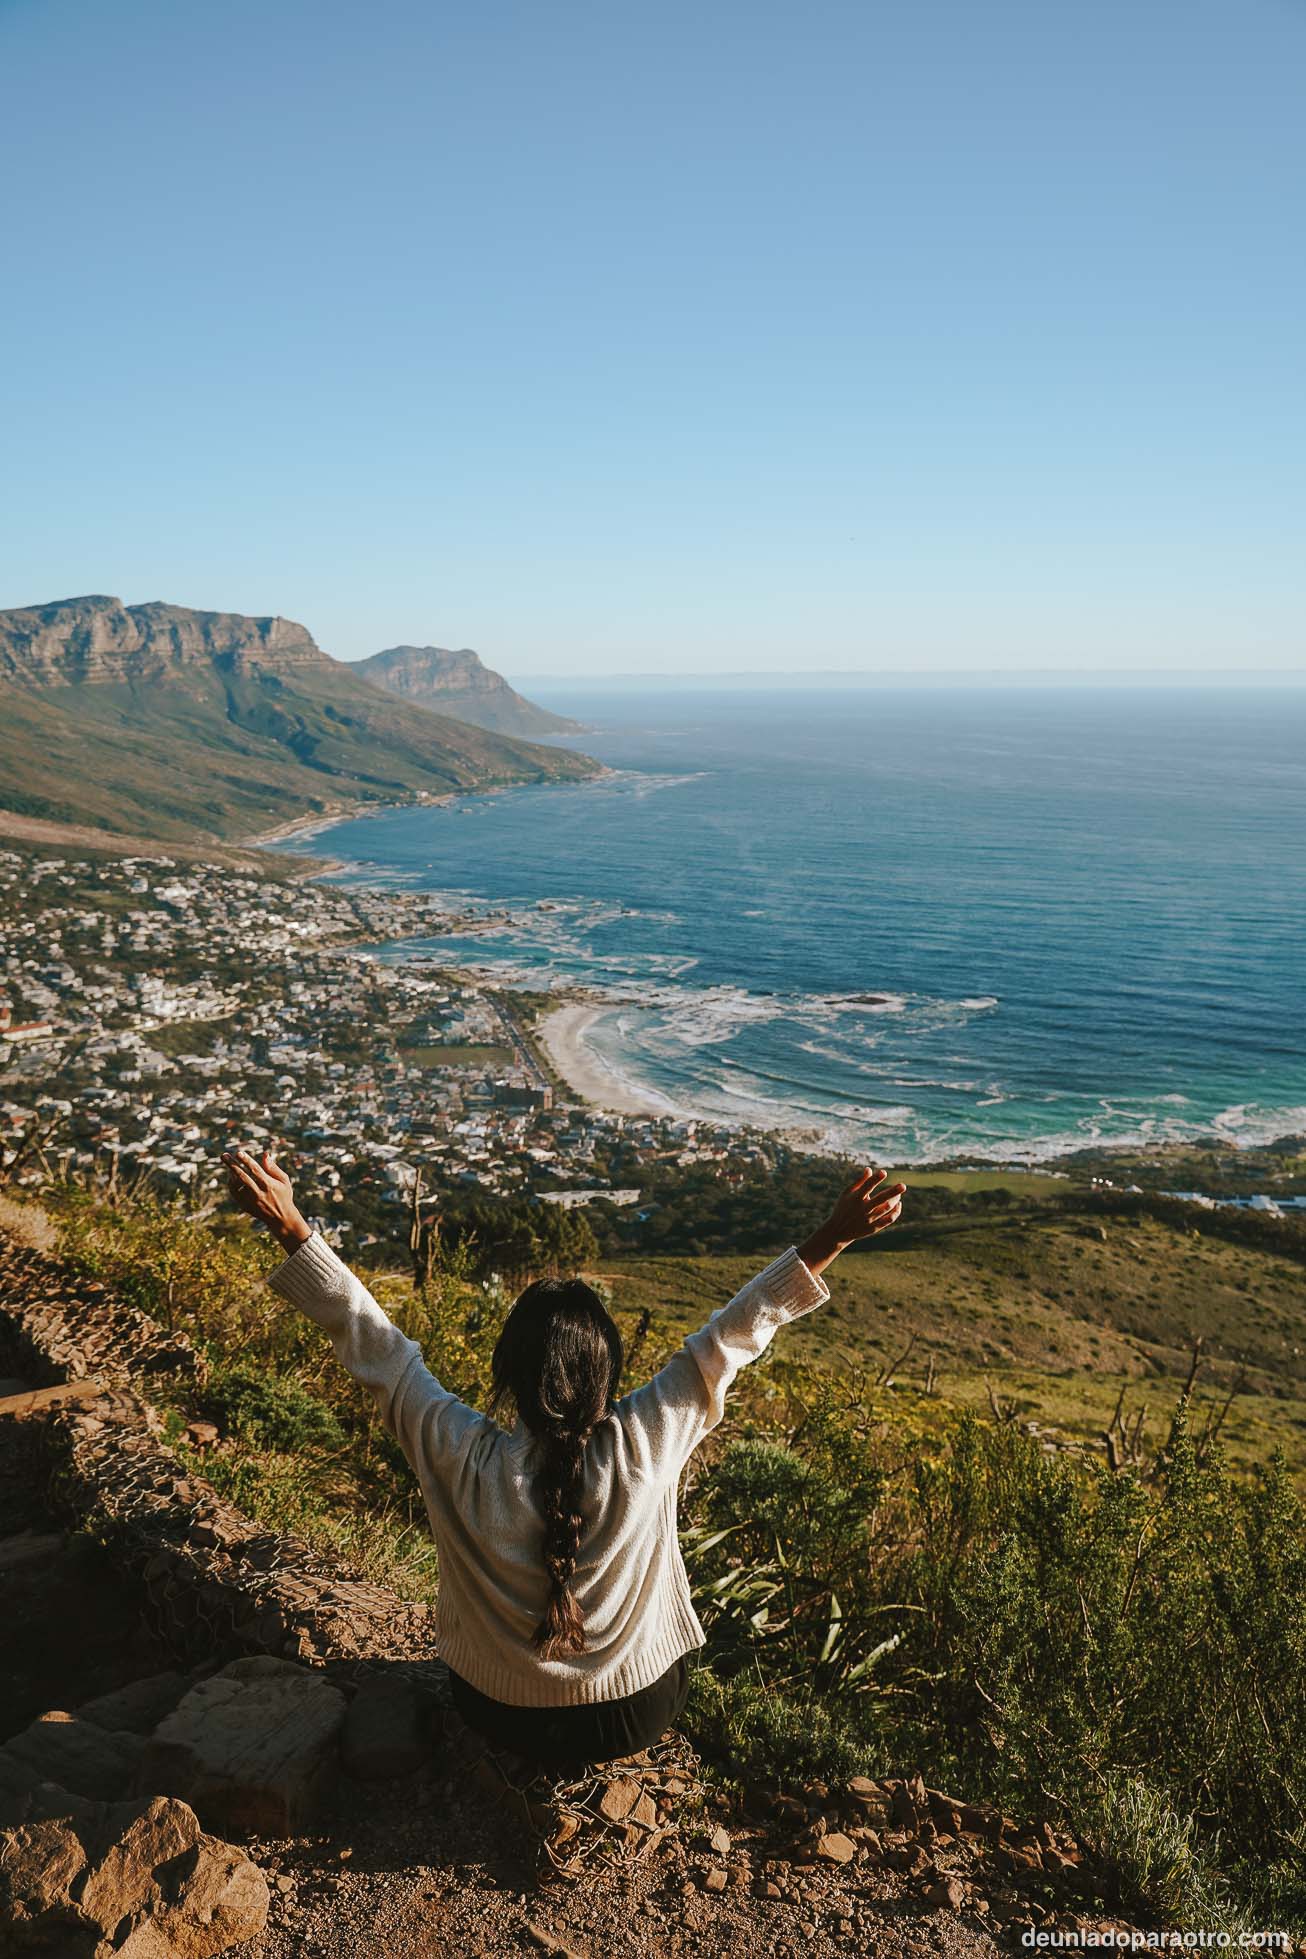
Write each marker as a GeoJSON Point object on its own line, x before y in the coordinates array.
{"type": "Point", "coordinates": [991, 923]}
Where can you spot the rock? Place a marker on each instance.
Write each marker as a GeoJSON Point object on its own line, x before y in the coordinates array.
{"type": "Point", "coordinates": [835, 1848]}
{"type": "Point", "coordinates": [715, 1879]}
{"type": "Point", "coordinates": [645, 1812]}
{"type": "Point", "coordinates": [138, 1708]}
{"type": "Point", "coordinates": [78, 1755]}
{"type": "Point", "coordinates": [946, 1894]}
{"type": "Point", "coordinates": [720, 1841]}
{"type": "Point", "coordinates": [202, 1435]}
{"type": "Point", "coordinates": [138, 1879]}
{"type": "Point", "coordinates": [769, 1889]}
{"type": "Point", "coordinates": [382, 1734]}
{"type": "Point", "coordinates": [17, 1781]}
{"type": "Point", "coordinates": [216, 1899]}
{"type": "Point", "coordinates": [29, 1547]}
{"type": "Point", "coordinates": [619, 1798]}
{"type": "Point", "coordinates": [249, 1748]}
{"type": "Point", "coordinates": [35, 1401]}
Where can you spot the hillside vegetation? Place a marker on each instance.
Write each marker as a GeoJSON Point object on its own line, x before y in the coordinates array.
{"type": "Point", "coordinates": [892, 1567]}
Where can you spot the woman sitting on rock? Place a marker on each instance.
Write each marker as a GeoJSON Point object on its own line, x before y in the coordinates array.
{"type": "Point", "coordinates": [563, 1609]}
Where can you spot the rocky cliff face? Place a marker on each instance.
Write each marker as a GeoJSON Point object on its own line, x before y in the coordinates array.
{"type": "Point", "coordinates": [99, 639]}
{"type": "Point", "coordinates": [458, 683]}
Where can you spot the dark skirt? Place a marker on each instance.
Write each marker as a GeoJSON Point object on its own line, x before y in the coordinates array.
{"type": "Point", "coordinates": [562, 1738]}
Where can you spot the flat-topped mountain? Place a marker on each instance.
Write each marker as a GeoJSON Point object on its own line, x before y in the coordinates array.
{"type": "Point", "coordinates": [99, 639]}
{"type": "Point", "coordinates": [156, 720]}
{"type": "Point", "coordinates": [459, 683]}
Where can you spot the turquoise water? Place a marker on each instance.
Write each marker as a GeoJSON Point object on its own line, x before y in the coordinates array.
{"type": "Point", "coordinates": [1071, 916]}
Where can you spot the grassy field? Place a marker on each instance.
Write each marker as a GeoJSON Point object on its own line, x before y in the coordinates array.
{"type": "Point", "coordinates": [435, 1054]}
{"type": "Point", "coordinates": [1056, 1314]}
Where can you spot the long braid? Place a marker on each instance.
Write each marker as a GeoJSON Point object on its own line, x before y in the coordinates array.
{"type": "Point", "coordinates": [560, 1357]}
{"type": "Point", "coordinates": [559, 1489]}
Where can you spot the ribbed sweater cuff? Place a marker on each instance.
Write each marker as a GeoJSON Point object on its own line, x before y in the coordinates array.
{"type": "Point", "coordinates": [792, 1287]}
{"type": "Point", "coordinates": [300, 1277]}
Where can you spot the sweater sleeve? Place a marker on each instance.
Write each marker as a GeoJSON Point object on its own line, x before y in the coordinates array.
{"type": "Point", "coordinates": [423, 1416]}
{"type": "Point", "coordinates": [667, 1419]}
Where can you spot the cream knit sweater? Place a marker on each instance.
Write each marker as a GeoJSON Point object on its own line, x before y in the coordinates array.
{"type": "Point", "coordinates": [630, 1582]}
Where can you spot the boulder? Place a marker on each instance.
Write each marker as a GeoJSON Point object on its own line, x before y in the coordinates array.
{"type": "Point", "coordinates": [30, 1547]}
{"type": "Point", "coordinates": [250, 1748]}
{"type": "Point", "coordinates": [382, 1733]}
{"type": "Point", "coordinates": [78, 1755]}
{"type": "Point", "coordinates": [139, 1707]}
{"type": "Point", "coordinates": [89, 1879]}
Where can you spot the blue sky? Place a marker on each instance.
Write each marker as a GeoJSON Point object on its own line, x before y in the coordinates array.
{"type": "Point", "coordinates": [607, 338]}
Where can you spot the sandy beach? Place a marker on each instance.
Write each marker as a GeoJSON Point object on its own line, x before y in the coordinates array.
{"type": "Point", "coordinates": [562, 1036]}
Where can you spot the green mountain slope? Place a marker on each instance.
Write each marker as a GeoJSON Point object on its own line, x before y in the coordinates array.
{"type": "Point", "coordinates": [161, 721]}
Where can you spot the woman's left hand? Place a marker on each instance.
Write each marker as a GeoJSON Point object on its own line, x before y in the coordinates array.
{"type": "Point", "coordinates": [261, 1188]}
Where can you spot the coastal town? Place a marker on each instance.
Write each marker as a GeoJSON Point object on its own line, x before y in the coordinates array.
{"type": "Point", "coordinates": [153, 1012]}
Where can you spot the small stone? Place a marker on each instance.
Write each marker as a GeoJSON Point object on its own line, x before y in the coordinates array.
{"type": "Point", "coordinates": [201, 1435]}
{"type": "Point", "coordinates": [619, 1798]}
{"type": "Point", "coordinates": [285, 1883]}
{"type": "Point", "coordinates": [645, 1812]}
{"type": "Point", "coordinates": [770, 1889]}
{"type": "Point", "coordinates": [720, 1841]}
{"type": "Point", "coordinates": [946, 1893]}
{"type": "Point", "coordinates": [835, 1848]}
{"type": "Point", "coordinates": [715, 1879]}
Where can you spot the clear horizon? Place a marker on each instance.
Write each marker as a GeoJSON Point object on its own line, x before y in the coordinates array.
{"type": "Point", "coordinates": [668, 344]}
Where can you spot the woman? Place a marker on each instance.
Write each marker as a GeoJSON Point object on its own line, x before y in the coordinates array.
{"type": "Point", "coordinates": [563, 1608]}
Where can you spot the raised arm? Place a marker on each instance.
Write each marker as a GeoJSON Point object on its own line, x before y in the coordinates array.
{"type": "Point", "coordinates": [667, 1419]}
{"type": "Point", "coordinates": [424, 1417]}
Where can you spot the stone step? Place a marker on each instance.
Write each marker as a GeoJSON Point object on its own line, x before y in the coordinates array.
{"type": "Point", "coordinates": [34, 1401]}
{"type": "Point", "coordinates": [30, 1547]}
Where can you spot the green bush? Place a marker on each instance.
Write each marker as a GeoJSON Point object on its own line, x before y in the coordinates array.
{"type": "Point", "coordinates": [755, 1733]}
{"type": "Point", "coordinates": [272, 1410]}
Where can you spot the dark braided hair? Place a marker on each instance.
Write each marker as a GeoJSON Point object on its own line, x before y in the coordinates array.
{"type": "Point", "coordinates": [560, 1357]}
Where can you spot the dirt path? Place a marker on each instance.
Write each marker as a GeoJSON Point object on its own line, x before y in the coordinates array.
{"type": "Point", "coordinates": [430, 1868]}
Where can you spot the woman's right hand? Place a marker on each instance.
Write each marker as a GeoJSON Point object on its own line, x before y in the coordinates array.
{"type": "Point", "coordinates": [866, 1207]}
{"type": "Point", "coordinates": [863, 1209]}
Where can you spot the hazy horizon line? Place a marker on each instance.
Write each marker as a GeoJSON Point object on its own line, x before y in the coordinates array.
{"type": "Point", "coordinates": [942, 676]}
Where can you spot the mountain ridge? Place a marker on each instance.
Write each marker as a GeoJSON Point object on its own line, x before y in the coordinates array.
{"type": "Point", "coordinates": [459, 683]}
{"type": "Point", "coordinates": [162, 720]}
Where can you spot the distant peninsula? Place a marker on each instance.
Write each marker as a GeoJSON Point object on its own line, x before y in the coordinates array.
{"type": "Point", "coordinates": [459, 683]}
{"type": "Point", "coordinates": [159, 721]}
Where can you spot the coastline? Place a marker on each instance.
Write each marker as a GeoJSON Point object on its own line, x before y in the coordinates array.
{"type": "Point", "coordinates": [561, 1033]}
